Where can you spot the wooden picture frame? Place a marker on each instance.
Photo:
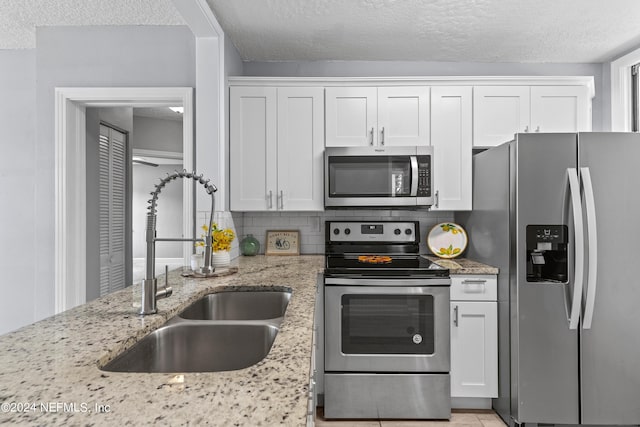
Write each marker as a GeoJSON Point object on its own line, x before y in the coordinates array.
{"type": "Point", "coordinates": [282, 242]}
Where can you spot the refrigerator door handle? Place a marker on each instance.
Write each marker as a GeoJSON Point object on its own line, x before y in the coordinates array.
{"type": "Point", "coordinates": [592, 271]}
{"type": "Point", "coordinates": [574, 188]}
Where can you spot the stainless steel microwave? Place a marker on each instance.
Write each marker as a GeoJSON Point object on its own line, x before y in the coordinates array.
{"type": "Point", "coordinates": [378, 176]}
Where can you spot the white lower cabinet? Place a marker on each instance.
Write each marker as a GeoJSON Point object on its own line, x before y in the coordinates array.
{"type": "Point", "coordinates": [474, 336]}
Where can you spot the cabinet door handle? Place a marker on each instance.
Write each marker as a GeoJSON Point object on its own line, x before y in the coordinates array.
{"type": "Point", "coordinates": [371, 136]}
{"type": "Point", "coordinates": [437, 198]}
{"type": "Point", "coordinates": [474, 282]}
{"type": "Point", "coordinates": [455, 316]}
{"type": "Point", "coordinates": [281, 200]}
{"type": "Point", "coordinates": [382, 136]}
{"type": "Point", "coordinates": [538, 129]}
{"type": "Point", "coordinates": [270, 199]}
{"type": "Point", "coordinates": [526, 129]}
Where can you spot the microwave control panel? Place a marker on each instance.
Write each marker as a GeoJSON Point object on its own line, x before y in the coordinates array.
{"type": "Point", "coordinates": [424, 176]}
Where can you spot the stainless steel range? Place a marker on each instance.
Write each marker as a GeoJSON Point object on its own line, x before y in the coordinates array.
{"type": "Point", "coordinates": [387, 350]}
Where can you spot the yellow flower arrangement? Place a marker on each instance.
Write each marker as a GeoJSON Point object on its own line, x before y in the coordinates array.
{"type": "Point", "coordinates": [222, 238]}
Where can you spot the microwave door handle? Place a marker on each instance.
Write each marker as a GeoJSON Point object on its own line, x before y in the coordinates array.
{"type": "Point", "coordinates": [414, 175]}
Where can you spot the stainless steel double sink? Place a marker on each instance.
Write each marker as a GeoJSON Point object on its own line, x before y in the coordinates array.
{"type": "Point", "coordinates": [222, 331]}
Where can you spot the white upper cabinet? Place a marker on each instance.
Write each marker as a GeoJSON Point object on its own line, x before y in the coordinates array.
{"type": "Point", "coordinates": [280, 126]}
{"type": "Point", "coordinates": [560, 109]}
{"type": "Point", "coordinates": [451, 138]}
{"type": "Point", "coordinates": [351, 116]}
{"type": "Point", "coordinates": [499, 113]}
{"type": "Point", "coordinates": [502, 111]}
{"type": "Point", "coordinates": [300, 148]}
{"type": "Point", "coordinates": [361, 116]}
{"type": "Point", "coordinates": [277, 143]}
{"type": "Point", "coordinates": [403, 116]}
{"type": "Point", "coordinates": [253, 154]}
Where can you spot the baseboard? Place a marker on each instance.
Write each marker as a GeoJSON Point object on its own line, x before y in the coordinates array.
{"type": "Point", "coordinates": [470, 403]}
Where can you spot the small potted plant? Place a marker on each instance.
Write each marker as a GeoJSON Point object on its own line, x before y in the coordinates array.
{"type": "Point", "coordinates": [221, 244]}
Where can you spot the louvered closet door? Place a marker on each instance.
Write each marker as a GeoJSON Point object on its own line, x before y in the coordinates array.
{"type": "Point", "coordinates": [112, 187]}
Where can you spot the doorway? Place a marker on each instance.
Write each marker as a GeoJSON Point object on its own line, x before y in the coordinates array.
{"type": "Point", "coordinates": [70, 175]}
{"type": "Point", "coordinates": [156, 152]}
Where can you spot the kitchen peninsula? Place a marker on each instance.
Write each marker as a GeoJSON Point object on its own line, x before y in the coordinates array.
{"type": "Point", "coordinates": [49, 371]}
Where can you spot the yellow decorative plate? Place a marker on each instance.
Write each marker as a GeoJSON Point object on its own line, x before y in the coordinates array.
{"type": "Point", "coordinates": [447, 240]}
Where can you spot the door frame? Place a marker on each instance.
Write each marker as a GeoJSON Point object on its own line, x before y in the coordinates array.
{"type": "Point", "coordinates": [70, 174]}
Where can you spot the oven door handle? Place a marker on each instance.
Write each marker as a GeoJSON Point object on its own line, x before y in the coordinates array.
{"type": "Point", "coordinates": [414, 175]}
{"type": "Point", "coordinates": [397, 282]}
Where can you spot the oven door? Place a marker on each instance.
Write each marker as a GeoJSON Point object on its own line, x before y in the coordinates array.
{"type": "Point", "coordinates": [374, 176]}
{"type": "Point", "coordinates": [387, 325]}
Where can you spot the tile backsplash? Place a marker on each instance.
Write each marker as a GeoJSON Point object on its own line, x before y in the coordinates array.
{"type": "Point", "coordinates": [311, 224]}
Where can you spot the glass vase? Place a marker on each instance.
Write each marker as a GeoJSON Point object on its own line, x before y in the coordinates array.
{"type": "Point", "coordinates": [249, 246]}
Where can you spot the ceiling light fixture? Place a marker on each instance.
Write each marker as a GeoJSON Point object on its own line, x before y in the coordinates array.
{"type": "Point", "coordinates": [178, 110]}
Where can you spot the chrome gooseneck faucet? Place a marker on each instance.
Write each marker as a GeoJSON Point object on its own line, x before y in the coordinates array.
{"type": "Point", "coordinates": [150, 292]}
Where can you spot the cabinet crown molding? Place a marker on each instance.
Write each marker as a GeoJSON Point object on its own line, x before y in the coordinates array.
{"type": "Point", "coordinates": [418, 81]}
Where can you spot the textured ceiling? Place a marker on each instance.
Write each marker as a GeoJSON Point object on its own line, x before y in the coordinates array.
{"type": "Point", "coordinates": [431, 30]}
{"type": "Point", "coordinates": [411, 30]}
{"type": "Point", "coordinates": [18, 18]}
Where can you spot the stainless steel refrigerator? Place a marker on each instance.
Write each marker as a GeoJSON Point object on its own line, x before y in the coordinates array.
{"type": "Point", "coordinates": [559, 214]}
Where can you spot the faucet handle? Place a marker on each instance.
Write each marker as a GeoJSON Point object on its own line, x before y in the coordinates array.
{"type": "Point", "coordinates": [167, 291]}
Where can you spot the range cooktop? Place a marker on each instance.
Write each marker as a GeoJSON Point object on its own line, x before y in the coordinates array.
{"type": "Point", "coordinates": [383, 264]}
{"type": "Point", "coordinates": [387, 248]}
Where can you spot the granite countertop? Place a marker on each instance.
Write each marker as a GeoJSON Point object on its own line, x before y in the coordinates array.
{"type": "Point", "coordinates": [52, 365]}
{"type": "Point", "coordinates": [463, 265]}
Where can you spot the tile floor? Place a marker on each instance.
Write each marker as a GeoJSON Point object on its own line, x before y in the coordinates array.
{"type": "Point", "coordinates": [459, 418]}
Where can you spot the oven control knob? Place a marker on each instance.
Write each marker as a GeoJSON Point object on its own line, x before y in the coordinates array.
{"type": "Point", "coordinates": [396, 231]}
{"type": "Point", "coordinates": [417, 339]}
{"type": "Point", "coordinates": [336, 231]}
{"type": "Point", "coordinates": [347, 231]}
{"type": "Point", "coordinates": [408, 231]}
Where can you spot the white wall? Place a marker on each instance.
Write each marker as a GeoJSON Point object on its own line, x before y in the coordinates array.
{"type": "Point", "coordinates": [93, 56]}
{"type": "Point", "coordinates": [426, 68]}
{"type": "Point", "coordinates": [162, 135]}
{"type": "Point", "coordinates": [169, 220]}
{"type": "Point", "coordinates": [19, 219]}
{"type": "Point", "coordinates": [311, 224]}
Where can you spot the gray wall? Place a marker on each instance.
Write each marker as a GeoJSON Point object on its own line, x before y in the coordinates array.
{"type": "Point", "coordinates": [425, 68]}
{"type": "Point", "coordinates": [233, 66]}
{"type": "Point", "coordinates": [92, 56]}
{"type": "Point", "coordinates": [232, 61]}
{"type": "Point", "coordinates": [19, 219]}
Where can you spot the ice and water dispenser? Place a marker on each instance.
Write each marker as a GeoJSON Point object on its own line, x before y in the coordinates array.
{"type": "Point", "coordinates": [547, 253]}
